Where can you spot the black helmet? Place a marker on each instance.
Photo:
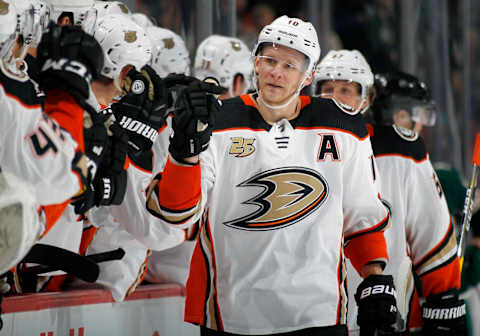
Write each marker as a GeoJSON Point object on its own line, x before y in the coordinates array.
{"type": "Point", "coordinates": [400, 90]}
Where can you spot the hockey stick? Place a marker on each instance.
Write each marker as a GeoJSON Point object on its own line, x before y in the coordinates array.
{"type": "Point", "coordinates": [467, 209]}
{"type": "Point", "coordinates": [96, 258]}
{"type": "Point", "coordinates": [52, 258]}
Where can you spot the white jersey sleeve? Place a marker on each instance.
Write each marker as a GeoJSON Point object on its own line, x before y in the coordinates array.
{"type": "Point", "coordinates": [37, 149]}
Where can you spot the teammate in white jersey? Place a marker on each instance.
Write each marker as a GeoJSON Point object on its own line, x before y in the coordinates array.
{"type": "Point", "coordinates": [287, 189]}
{"type": "Point", "coordinates": [402, 107]}
{"type": "Point", "coordinates": [408, 181]}
{"type": "Point", "coordinates": [228, 60]}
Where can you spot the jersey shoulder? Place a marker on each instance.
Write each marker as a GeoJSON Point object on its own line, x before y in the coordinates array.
{"type": "Point", "coordinates": [393, 140]}
{"type": "Point", "coordinates": [239, 112]}
{"type": "Point", "coordinates": [22, 89]}
{"type": "Point", "coordinates": [323, 113]}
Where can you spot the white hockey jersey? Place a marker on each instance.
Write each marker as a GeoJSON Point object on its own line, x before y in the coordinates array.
{"type": "Point", "coordinates": [421, 230]}
{"type": "Point", "coordinates": [33, 145]}
{"type": "Point", "coordinates": [281, 201]}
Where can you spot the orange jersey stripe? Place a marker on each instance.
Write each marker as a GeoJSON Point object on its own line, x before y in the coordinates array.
{"type": "Point", "coordinates": [181, 186]}
{"type": "Point", "coordinates": [442, 279]}
{"type": "Point", "coordinates": [61, 106]}
{"type": "Point", "coordinates": [52, 214]}
{"type": "Point", "coordinates": [197, 287]}
{"type": "Point", "coordinates": [365, 248]}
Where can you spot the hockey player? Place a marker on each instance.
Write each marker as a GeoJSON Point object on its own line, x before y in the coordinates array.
{"type": "Point", "coordinates": [33, 145]}
{"type": "Point", "coordinates": [408, 181]}
{"type": "Point", "coordinates": [402, 107]}
{"type": "Point", "coordinates": [129, 225]}
{"type": "Point", "coordinates": [283, 184]}
{"type": "Point", "coordinates": [228, 60]}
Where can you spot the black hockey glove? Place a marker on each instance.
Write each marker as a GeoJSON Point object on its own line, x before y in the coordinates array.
{"type": "Point", "coordinates": [193, 120]}
{"type": "Point", "coordinates": [444, 314]}
{"type": "Point", "coordinates": [110, 183]}
{"type": "Point", "coordinates": [377, 304]}
{"type": "Point", "coordinates": [69, 59]}
{"type": "Point", "coordinates": [142, 112]}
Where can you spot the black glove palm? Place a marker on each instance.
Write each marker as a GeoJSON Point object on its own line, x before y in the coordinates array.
{"type": "Point", "coordinates": [193, 120]}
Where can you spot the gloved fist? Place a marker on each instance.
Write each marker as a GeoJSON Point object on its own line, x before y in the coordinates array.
{"type": "Point", "coordinates": [444, 314]}
{"type": "Point", "coordinates": [142, 110]}
{"type": "Point", "coordinates": [193, 120]}
{"type": "Point", "coordinates": [377, 303]}
{"type": "Point", "coordinates": [109, 185]}
{"type": "Point", "coordinates": [69, 59]}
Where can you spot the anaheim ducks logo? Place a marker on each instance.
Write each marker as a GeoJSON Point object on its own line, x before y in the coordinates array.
{"type": "Point", "coordinates": [130, 36]}
{"type": "Point", "coordinates": [236, 46]}
{"type": "Point", "coordinates": [169, 43]}
{"type": "Point", "coordinates": [123, 8]}
{"type": "Point", "coordinates": [3, 7]}
{"type": "Point", "coordinates": [289, 195]}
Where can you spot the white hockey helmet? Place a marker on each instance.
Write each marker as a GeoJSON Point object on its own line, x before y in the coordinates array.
{"type": "Point", "coordinates": [293, 33]}
{"type": "Point", "coordinates": [123, 43]}
{"type": "Point", "coordinates": [8, 26]}
{"type": "Point", "coordinates": [110, 7]}
{"type": "Point", "coordinates": [81, 12]}
{"type": "Point", "coordinates": [169, 53]}
{"type": "Point", "coordinates": [223, 58]}
{"type": "Point", "coordinates": [42, 13]}
{"type": "Point", "coordinates": [348, 65]}
{"type": "Point", "coordinates": [142, 20]}
{"type": "Point", "coordinates": [20, 225]}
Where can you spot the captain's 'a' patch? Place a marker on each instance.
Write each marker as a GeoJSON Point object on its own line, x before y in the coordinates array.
{"type": "Point", "coordinates": [289, 194]}
{"type": "Point", "coordinates": [328, 148]}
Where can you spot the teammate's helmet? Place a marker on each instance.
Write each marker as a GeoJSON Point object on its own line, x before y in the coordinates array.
{"type": "Point", "coordinates": [110, 7]}
{"type": "Point", "coordinates": [123, 43]}
{"type": "Point", "coordinates": [8, 24]}
{"type": "Point", "coordinates": [169, 53]}
{"type": "Point", "coordinates": [81, 12]}
{"type": "Point", "coordinates": [347, 65]}
{"type": "Point", "coordinates": [223, 58]}
{"type": "Point", "coordinates": [19, 221]}
{"type": "Point", "coordinates": [143, 20]}
{"type": "Point", "coordinates": [399, 90]}
{"type": "Point", "coordinates": [293, 33]}
{"type": "Point", "coordinates": [42, 13]}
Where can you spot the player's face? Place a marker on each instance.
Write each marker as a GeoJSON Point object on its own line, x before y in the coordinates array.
{"type": "Point", "coordinates": [345, 93]}
{"type": "Point", "coordinates": [280, 71]}
{"type": "Point", "coordinates": [402, 118]}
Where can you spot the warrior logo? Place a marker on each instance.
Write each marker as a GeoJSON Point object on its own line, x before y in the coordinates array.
{"type": "Point", "coordinates": [289, 195]}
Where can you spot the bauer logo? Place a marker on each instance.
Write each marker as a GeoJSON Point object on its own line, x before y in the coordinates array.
{"type": "Point", "coordinates": [138, 87]}
{"type": "Point", "coordinates": [378, 289]}
{"type": "Point", "coordinates": [287, 195]}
